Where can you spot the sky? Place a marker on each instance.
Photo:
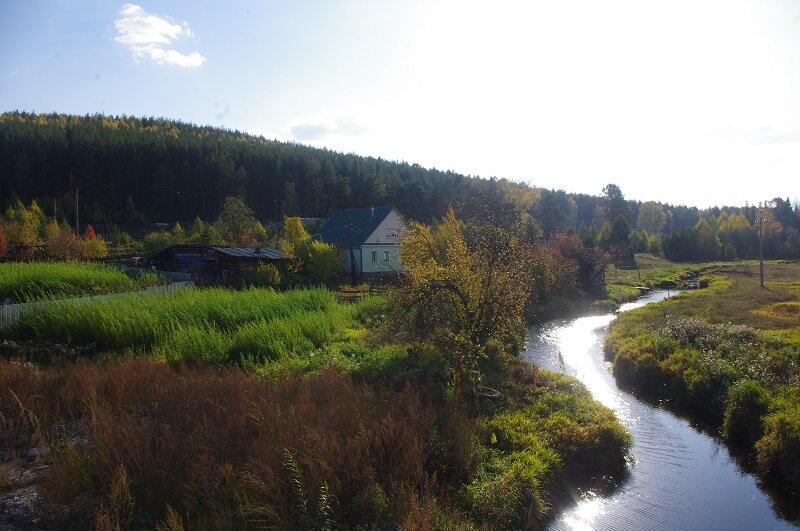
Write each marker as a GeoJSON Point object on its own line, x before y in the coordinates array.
{"type": "Point", "coordinates": [685, 102]}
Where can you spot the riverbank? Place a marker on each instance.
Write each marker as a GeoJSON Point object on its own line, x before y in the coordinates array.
{"type": "Point", "coordinates": [622, 285]}
{"type": "Point", "coordinates": [728, 355]}
{"type": "Point", "coordinates": [678, 477]}
{"type": "Point", "coordinates": [214, 408]}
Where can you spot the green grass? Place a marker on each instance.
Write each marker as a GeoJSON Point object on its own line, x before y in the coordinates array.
{"type": "Point", "coordinates": [653, 272]}
{"type": "Point", "coordinates": [730, 354]}
{"type": "Point", "coordinates": [253, 327]}
{"type": "Point", "coordinates": [558, 439]}
{"type": "Point", "coordinates": [31, 281]}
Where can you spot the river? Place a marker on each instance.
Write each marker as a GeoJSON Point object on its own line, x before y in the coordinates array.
{"type": "Point", "coordinates": [679, 477]}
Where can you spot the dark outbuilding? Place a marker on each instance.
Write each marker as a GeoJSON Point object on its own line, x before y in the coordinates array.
{"type": "Point", "coordinates": [214, 263]}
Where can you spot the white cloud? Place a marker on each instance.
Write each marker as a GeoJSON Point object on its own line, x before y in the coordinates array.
{"type": "Point", "coordinates": [152, 37]}
{"type": "Point", "coordinates": [322, 127]}
{"type": "Point", "coordinates": [763, 135]}
{"type": "Point", "coordinates": [269, 135]}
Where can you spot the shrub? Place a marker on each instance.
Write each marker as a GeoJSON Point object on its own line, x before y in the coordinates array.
{"type": "Point", "coordinates": [778, 451]}
{"type": "Point", "coordinates": [746, 405]}
{"type": "Point", "coordinates": [322, 260]}
{"type": "Point", "coordinates": [268, 275]}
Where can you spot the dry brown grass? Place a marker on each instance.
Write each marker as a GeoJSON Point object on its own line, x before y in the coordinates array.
{"type": "Point", "coordinates": [139, 436]}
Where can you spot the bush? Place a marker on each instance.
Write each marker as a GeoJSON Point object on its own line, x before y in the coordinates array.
{"type": "Point", "coordinates": [322, 260]}
{"type": "Point", "coordinates": [747, 403]}
{"type": "Point", "coordinates": [778, 451]}
{"type": "Point", "coordinates": [268, 275]}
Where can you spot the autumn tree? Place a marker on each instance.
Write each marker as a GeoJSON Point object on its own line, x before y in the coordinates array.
{"type": "Point", "coordinates": [178, 234]}
{"type": "Point", "coordinates": [236, 221]}
{"type": "Point", "coordinates": [464, 297]}
{"type": "Point", "coordinates": [706, 241]}
{"type": "Point", "coordinates": [294, 235]}
{"type": "Point", "coordinates": [61, 242]}
{"type": "Point", "coordinates": [321, 260]}
{"type": "Point", "coordinates": [651, 218]}
{"type": "Point", "coordinates": [736, 232]}
{"type": "Point", "coordinates": [3, 243]}
{"type": "Point", "coordinates": [769, 230]}
{"type": "Point", "coordinates": [23, 224]}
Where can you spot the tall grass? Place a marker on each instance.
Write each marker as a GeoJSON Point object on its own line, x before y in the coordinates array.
{"type": "Point", "coordinates": [212, 444]}
{"type": "Point", "coordinates": [221, 326]}
{"type": "Point", "coordinates": [142, 320]}
{"type": "Point", "coordinates": [30, 281]}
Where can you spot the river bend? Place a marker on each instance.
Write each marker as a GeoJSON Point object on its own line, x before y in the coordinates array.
{"type": "Point", "coordinates": [679, 477]}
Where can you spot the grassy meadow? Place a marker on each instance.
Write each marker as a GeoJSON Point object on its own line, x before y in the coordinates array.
{"type": "Point", "coordinates": [213, 408]}
{"type": "Point", "coordinates": [730, 354]}
{"type": "Point", "coordinates": [32, 281]}
{"type": "Point", "coordinates": [654, 272]}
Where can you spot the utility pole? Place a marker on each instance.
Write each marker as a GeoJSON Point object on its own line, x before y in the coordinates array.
{"type": "Point", "coordinates": [77, 218]}
{"type": "Point", "coordinates": [761, 243]}
{"type": "Point", "coordinates": [762, 218]}
{"type": "Point", "coordinates": [352, 254]}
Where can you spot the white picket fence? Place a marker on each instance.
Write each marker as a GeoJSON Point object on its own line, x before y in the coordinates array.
{"type": "Point", "coordinates": [10, 313]}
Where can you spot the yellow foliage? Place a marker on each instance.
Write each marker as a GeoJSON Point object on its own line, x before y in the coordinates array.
{"type": "Point", "coordinates": [464, 296]}
{"type": "Point", "coordinates": [294, 235]}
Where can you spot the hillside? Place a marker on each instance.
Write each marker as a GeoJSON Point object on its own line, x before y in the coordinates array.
{"type": "Point", "coordinates": [132, 171]}
{"type": "Point", "coordinates": [128, 169]}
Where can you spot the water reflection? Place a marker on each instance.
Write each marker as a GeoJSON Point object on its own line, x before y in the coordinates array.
{"type": "Point", "coordinates": [679, 477]}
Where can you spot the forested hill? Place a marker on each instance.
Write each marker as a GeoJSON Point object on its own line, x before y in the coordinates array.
{"type": "Point", "coordinates": [130, 170]}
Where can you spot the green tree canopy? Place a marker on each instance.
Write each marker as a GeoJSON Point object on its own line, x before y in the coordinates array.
{"type": "Point", "coordinates": [236, 221]}
{"type": "Point", "coordinates": [651, 218]}
{"type": "Point", "coordinates": [613, 202]}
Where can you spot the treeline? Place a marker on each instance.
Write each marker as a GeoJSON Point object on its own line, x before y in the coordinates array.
{"type": "Point", "coordinates": [771, 228]}
{"type": "Point", "coordinates": [129, 172]}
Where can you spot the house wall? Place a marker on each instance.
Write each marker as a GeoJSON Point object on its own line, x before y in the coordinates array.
{"type": "Point", "coordinates": [388, 231]}
{"type": "Point", "coordinates": [379, 266]}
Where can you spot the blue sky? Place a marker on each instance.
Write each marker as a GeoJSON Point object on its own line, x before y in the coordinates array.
{"type": "Point", "coordinates": [684, 102]}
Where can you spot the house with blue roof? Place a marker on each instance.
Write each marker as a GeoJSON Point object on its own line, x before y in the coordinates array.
{"type": "Point", "coordinates": [367, 237]}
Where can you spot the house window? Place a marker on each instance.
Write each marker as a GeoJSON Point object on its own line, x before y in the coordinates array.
{"type": "Point", "coordinates": [374, 257]}
{"type": "Point", "coordinates": [385, 257]}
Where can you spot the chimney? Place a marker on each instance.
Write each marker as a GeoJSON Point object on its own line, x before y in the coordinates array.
{"type": "Point", "coordinates": [371, 212]}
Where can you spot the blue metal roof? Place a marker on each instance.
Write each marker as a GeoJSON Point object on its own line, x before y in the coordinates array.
{"type": "Point", "coordinates": [364, 222]}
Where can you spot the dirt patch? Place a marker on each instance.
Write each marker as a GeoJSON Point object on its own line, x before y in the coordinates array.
{"type": "Point", "coordinates": [21, 507]}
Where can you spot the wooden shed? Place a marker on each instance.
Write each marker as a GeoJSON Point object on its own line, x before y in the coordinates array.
{"type": "Point", "coordinates": [214, 263]}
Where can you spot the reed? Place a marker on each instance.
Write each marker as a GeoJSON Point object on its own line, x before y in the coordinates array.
{"type": "Point", "coordinates": [301, 330]}
{"type": "Point", "coordinates": [143, 320]}
{"type": "Point", "coordinates": [31, 281]}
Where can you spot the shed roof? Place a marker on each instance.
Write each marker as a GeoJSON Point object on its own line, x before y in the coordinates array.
{"type": "Point", "coordinates": [246, 253]}
{"type": "Point", "coordinates": [364, 222]}
{"type": "Point", "coordinates": [255, 253]}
